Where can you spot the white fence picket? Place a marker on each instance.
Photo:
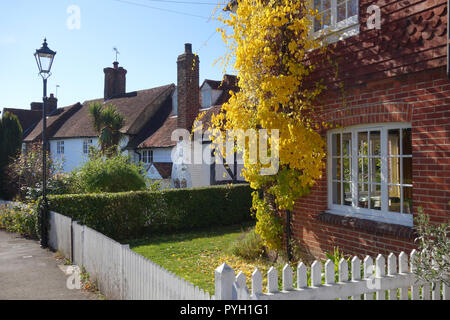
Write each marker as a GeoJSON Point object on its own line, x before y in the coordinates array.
{"type": "Point", "coordinates": [287, 277]}
{"type": "Point", "coordinates": [403, 267]}
{"type": "Point", "coordinates": [392, 271]}
{"type": "Point", "coordinates": [368, 274]}
{"type": "Point", "coordinates": [380, 272]}
{"type": "Point", "coordinates": [356, 274]}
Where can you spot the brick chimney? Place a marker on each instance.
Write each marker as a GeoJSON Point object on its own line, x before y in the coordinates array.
{"type": "Point", "coordinates": [188, 92]}
{"type": "Point", "coordinates": [36, 106]}
{"type": "Point", "coordinates": [50, 106]}
{"type": "Point", "coordinates": [115, 81]}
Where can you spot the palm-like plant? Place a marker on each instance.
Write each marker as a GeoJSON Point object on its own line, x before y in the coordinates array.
{"type": "Point", "coordinates": [107, 122]}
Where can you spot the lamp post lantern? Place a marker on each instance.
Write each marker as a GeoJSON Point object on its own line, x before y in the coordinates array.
{"type": "Point", "coordinates": [44, 59]}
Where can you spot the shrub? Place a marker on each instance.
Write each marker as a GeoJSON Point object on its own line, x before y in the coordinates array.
{"type": "Point", "coordinates": [432, 264]}
{"type": "Point", "coordinates": [20, 218]}
{"type": "Point", "coordinates": [125, 215]}
{"type": "Point", "coordinates": [249, 246]}
{"type": "Point", "coordinates": [113, 174]}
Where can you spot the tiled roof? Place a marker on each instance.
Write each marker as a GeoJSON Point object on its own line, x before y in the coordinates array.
{"type": "Point", "coordinates": [164, 169]}
{"type": "Point", "coordinates": [27, 118]}
{"type": "Point", "coordinates": [162, 136]}
{"type": "Point", "coordinates": [136, 107]}
{"type": "Point", "coordinates": [54, 121]}
{"type": "Point", "coordinates": [412, 38]}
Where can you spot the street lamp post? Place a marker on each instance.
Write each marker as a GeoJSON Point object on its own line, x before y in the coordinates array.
{"type": "Point", "coordinates": [44, 59]}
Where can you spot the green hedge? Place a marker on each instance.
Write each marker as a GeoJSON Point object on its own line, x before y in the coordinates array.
{"type": "Point", "coordinates": [127, 215]}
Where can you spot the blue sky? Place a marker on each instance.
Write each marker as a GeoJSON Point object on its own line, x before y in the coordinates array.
{"type": "Point", "coordinates": [148, 40]}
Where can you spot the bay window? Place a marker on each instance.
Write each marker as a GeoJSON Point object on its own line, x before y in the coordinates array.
{"type": "Point", "coordinates": [370, 172]}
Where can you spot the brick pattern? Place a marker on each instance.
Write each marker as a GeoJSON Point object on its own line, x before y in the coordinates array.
{"type": "Point", "coordinates": [423, 99]}
{"type": "Point", "coordinates": [188, 89]}
{"type": "Point", "coordinates": [412, 38]}
{"type": "Point", "coordinates": [115, 81]}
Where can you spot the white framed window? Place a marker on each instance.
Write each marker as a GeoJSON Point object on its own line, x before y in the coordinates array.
{"type": "Point", "coordinates": [147, 156]}
{"type": "Point", "coordinates": [370, 172]}
{"type": "Point", "coordinates": [206, 98]}
{"type": "Point", "coordinates": [60, 147]}
{"type": "Point", "coordinates": [338, 19]}
{"type": "Point", "coordinates": [86, 144]}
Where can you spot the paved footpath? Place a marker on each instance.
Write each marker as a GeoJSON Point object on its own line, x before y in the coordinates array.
{"type": "Point", "coordinates": [29, 272]}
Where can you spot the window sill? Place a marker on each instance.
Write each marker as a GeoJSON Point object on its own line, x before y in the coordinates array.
{"type": "Point", "coordinates": [370, 226]}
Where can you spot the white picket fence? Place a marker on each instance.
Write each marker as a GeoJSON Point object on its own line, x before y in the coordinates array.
{"type": "Point", "coordinates": [119, 272]}
{"type": "Point", "coordinates": [123, 274]}
{"type": "Point", "coordinates": [375, 281]}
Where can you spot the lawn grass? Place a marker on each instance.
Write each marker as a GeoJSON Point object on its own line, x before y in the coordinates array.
{"type": "Point", "coordinates": [195, 255]}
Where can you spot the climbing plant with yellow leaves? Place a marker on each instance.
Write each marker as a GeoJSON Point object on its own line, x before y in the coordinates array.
{"type": "Point", "coordinates": [268, 45]}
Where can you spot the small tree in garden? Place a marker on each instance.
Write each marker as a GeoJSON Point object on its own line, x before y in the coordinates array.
{"type": "Point", "coordinates": [269, 45]}
{"type": "Point", "coordinates": [432, 264]}
{"type": "Point", "coordinates": [107, 122]}
{"type": "Point", "coordinates": [26, 173]}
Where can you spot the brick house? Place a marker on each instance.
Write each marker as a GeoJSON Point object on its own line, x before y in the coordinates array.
{"type": "Point", "coordinates": [391, 153]}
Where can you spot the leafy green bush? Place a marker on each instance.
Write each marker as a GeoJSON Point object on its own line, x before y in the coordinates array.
{"type": "Point", "coordinates": [137, 213]}
{"type": "Point", "coordinates": [112, 174]}
{"type": "Point", "coordinates": [249, 246]}
{"type": "Point", "coordinates": [21, 218]}
{"type": "Point", "coordinates": [432, 263]}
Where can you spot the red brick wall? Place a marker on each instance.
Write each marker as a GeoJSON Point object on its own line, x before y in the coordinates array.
{"type": "Point", "coordinates": [423, 99]}
{"type": "Point", "coordinates": [412, 38]}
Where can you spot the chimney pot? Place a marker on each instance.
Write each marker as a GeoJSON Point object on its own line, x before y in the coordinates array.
{"type": "Point", "coordinates": [116, 64]}
{"type": "Point", "coordinates": [188, 48]}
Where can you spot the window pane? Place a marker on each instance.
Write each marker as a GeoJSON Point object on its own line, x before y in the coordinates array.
{"type": "Point", "coordinates": [407, 170]}
{"type": "Point", "coordinates": [341, 12]}
{"type": "Point", "coordinates": [363, 195]}
{"type": "Point", "coordinates": [394, 198]}
{"type": "Point", "coordinates": [326, 18]}
{"type": "Point", "coordinates": [336, 166]}
{"type": "Point", "coordinates": [406, 141]}
{"type": "Point", "coordinates": [347, 167]}
{"type": "Point", "coordinates": [336, 192]}
{"type": "Point", "coordinates": [394, 170]}
{"type": "Point", "coordinates": [407, 199]}
{"type": "Point", "coordinates": [352, 8]}
{"type": "Point", "coordinates": [394, 142]}
{"type": "Point", "coordinates": [375, 197]}
{"type": "Point", "coordinates": [336, 144]}
{"type": "Point", "coordinates": [347, 194]}
{"type": "Point", "coordinates": [363, 169]}
{"type": "Point", "coordinates": [375, 147]}
{"type": "Point", "coordinates": [375, 170]}
{"type": "Point", "coordinates": [347, 144]}
{"type": "Point", "coordinates": [362, 143]}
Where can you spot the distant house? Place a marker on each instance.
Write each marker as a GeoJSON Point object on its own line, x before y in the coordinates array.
{"type": "Point", "coordinates": [151, 116]}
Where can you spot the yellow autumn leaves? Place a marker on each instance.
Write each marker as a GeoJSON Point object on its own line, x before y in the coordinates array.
{"type": "Point", "coordinates": [269, 44]}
